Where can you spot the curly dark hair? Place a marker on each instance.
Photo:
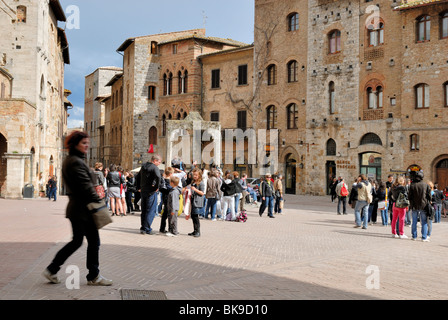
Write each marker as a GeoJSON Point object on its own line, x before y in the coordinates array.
{"type": "Point", "coordinates": [74, 139]}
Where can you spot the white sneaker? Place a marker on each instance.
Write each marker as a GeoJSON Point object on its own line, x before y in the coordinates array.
{"type": "Point", "coordinates": [100, 281]}
{"type": "Point", "coordinates": [425, 240]}
{"type": "Point", "coordinates": [403, 236]}
{"type": "Point", "coordinates": [169, 234]}
{"type": "Point", "coordinates": [395, 236]}
{"type": "Point", "coordinates": [53, 278]}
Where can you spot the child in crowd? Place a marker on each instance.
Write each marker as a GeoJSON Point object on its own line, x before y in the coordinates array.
{"type": "Point", "coordinates": [173, 206]}
{"type": "Point", "coordinates": [165, 189]}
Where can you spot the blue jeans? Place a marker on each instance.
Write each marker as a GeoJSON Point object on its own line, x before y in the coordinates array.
{"type": "Point", "coordinates": [384, 217]}
{"type": "Point", "coordinates": [438, 214]}
{"type": "Point", "coordinates": [268, 202]}
{"type": "Point", "coordinates": [277, 205]}
{"type": "Point", "coordinates": [211, 206]}
{"type": "Point", "coordinates": [52, 194]}
{"type": "Point", "coordinates": [423, 221]}
{"type": "Point", "coordinates": [364, 206]}
{"type": "Point", "coordinates": [237, 202]}
{"type": "Point", "coordinates": [149, 209]}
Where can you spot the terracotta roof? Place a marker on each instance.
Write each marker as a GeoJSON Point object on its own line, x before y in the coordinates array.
{"type": "Point", "coordinates": [230, 42]}
{"type": "Point", "coordinates": [246, 47]}
{"type": "Point", "coordinates": [410, 4]}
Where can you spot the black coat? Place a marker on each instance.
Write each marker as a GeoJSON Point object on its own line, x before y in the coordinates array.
{"type": "Point", "coordinates": [79, 181]}
{"type": "Point", "coordinates": [150, 178]}
{"type": "Point", "coordinates": [419, 195]}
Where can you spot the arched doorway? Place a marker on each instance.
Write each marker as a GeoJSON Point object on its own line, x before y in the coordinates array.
{"type": "Point", "coordinates": [3, 171]}
{"type": "Point", "coordinates": [442, 173]}
{"type": "Point", "coordinates": [290, 174]}
{"type": "Point", "coordinates": [330, 169]}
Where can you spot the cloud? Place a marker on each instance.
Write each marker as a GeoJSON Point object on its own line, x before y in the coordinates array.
{"type": "Point", "coordinates": [73, 123]}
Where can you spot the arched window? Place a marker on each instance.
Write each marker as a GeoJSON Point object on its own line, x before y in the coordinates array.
{"type": "Point", "coordinates": [186, 81]}
{"type": "Point", "coordinates": [292, 71]}
{"type": "Point", "coordinates": [272, 74]}
{"type": "Point", "coordinates": [331, 147]}
{"type": "Point", "coordinates": [271, 117]}
{"type": "Point", "coordinates": [165, 84]}
{"type": "Point", "coordinates": [423, 28]}
{"type": "Point", "coordinates": [293, 21]}
{"type": "Point", "coordinates": [375, 33]}
{"type": "Point", "coordinates": [334, 41]}
{"type": "Point", "coordinates": [331, 96]}
{"type": "Point", "coordinates": [374, 97]}
{"type": "Point", "coordinates": [164, 125]}
{"type": "Point", "coordinates": [180, 82]}
{"type": "Point", "coordinates": [421, 96]}
{"type": "Point", "coordinates": [152, 135]}
{"type": "Point", "coordinates": [170, 84]}
{"type": "Point", "coordinates": [371, 138]}
{"type": "Point", "coordinates": [415, 142]}
{"type": "Point", "coordinates": [292, 112]}
{"type": "Point", "coordinates": [444, 25]}
{"type": "Point", "coordinates": [21, 14]}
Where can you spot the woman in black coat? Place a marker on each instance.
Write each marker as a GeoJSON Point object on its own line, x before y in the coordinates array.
{"type": "Point", "coordinates": [79, 181]}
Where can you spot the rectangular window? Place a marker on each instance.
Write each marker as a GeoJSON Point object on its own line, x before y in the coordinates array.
{"type": "Point", "coordinates": [216, 79]}
{"type": "Point", "coordinates": [242, 75]}
{"type": "Point", "coordinates": [242, 119]}
{"type": "Point", "coordinates": [214, 116]}
{"type": "Point", "coordinates": [152, 93]}
{"type": "Point", "coordinates": [445, 26]}
{"type": "Point", "coordinates": [175, 48]}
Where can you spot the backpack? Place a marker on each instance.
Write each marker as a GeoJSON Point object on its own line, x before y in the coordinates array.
{"type": "Point", "coordinates": [344, 191]}
{"type": "Point", "coordinates": [402, 201]}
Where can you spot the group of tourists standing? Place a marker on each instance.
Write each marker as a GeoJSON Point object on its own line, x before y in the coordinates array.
{"type": "Point", "coordinates": [405, 201]}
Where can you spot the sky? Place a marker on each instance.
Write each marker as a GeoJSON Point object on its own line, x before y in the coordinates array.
{"type": "Point", "coordinates": [96, 28]}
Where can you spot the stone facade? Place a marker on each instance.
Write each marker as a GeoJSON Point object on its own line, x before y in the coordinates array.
{"type": "Point", "coordinates": [361, 98]}
{"type": "Point", "coordinates": [146, 60]}
{"type": "Point", "coordinates": [95, 87]}
{"type": "Point", "coordinates": [349, 85]}
{"type": "Point", "coordinates": [33, 51]}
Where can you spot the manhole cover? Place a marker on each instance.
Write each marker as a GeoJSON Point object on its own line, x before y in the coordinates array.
{"type": "Point", "coordinates": [131, 294]}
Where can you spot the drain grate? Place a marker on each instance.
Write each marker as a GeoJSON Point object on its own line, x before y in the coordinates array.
{"type": "Point", "coordinates": [132, 294]}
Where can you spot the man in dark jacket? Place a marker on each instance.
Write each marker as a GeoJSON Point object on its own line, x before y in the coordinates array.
{"type": "Point", "coordinates": [150, 180]}
{"type": "Point", "coordinates": [419, 197]}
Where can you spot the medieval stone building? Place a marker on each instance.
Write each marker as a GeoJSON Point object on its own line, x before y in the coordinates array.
{"type": "Point", "coordinates": [350, 86]}
{"type": "Point", "coordinates": [33, 102]}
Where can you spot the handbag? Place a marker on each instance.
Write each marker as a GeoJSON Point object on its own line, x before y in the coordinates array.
{"type": "Point", "coordinates": [100, 214]}
{"type": "Point", "coordinates": [382, 205]}
{"type": "Point", "coordinates": [100, 191]}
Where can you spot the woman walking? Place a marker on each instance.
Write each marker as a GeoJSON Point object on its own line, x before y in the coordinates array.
{"type": "Point", "coordinates": [79, 181]}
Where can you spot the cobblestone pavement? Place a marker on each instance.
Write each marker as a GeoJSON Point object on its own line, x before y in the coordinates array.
{"type": "Point", "coordinates": [308, 252]}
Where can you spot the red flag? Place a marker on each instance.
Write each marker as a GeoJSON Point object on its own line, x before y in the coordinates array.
{"type": "Point", "coordinates": [151, 149]}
